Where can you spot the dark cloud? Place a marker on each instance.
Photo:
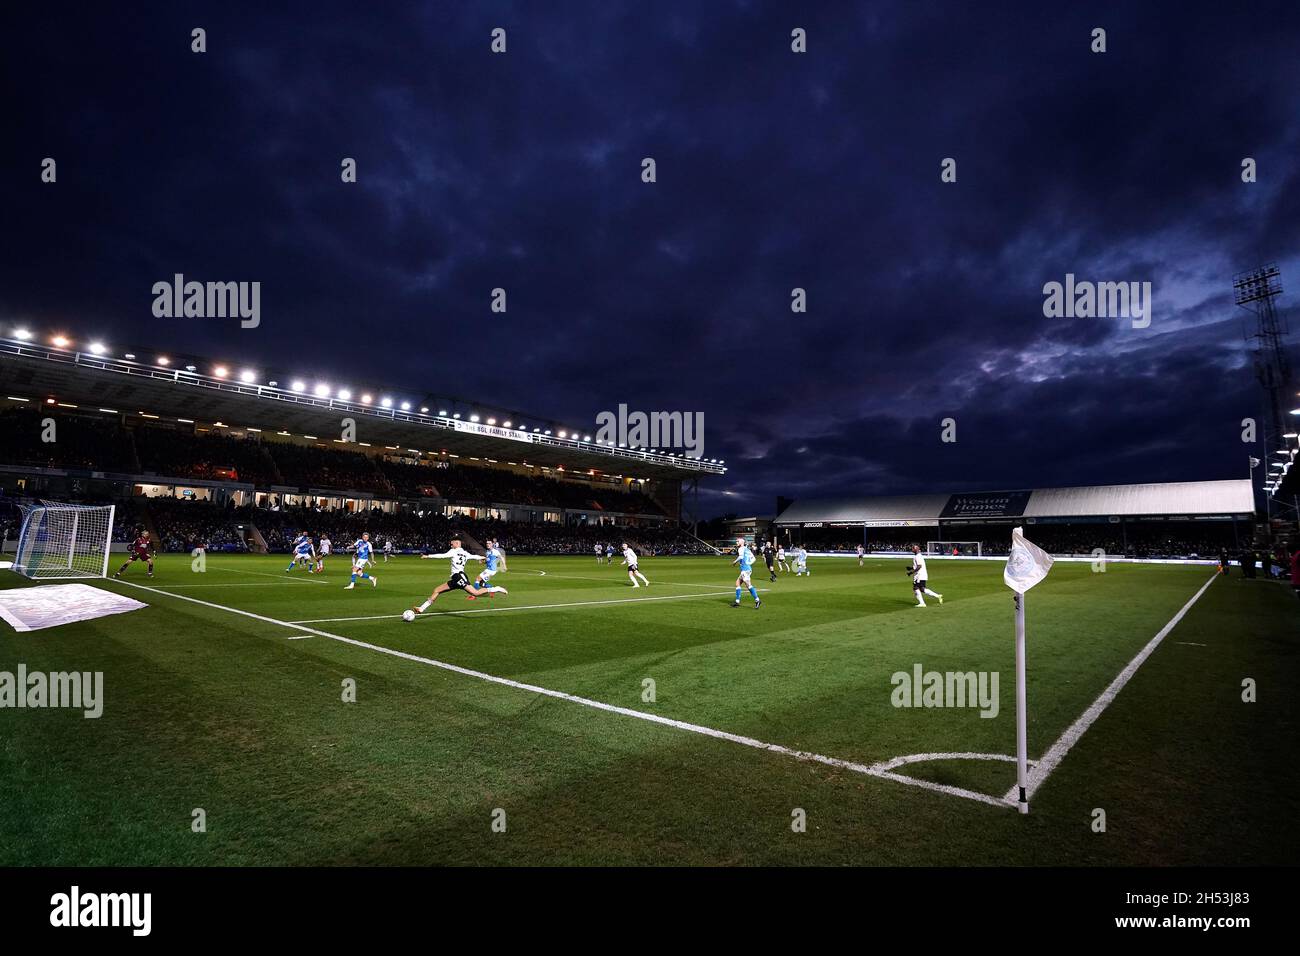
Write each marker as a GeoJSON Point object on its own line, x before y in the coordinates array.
{"type": "Point", "coordinates": [819, 171]}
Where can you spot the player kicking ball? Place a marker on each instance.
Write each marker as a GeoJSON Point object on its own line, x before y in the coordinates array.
{"type": "Point", "coordinates": [139, 552]}
{"type": "Point", "coordinates": [633, 572]}
{"type": "Point", "coordinates": [457, 582]}
{"type": "Point", "coordinates": [919, 579]}
{"type": "Point", "coordinates": [745, 558]}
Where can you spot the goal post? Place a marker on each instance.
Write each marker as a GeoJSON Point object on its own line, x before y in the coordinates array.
{"type": "Point", "coordinates": [954, 548]}
{"type": "Point", "coordinates": [64, 541]}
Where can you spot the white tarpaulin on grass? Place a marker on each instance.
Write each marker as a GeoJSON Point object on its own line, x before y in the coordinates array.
{"type": "Point", "coordinates": [49, 605]}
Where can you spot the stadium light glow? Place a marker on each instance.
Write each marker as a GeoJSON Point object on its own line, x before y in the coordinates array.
{"type": "Point", "coordinates": [586, 438]}
{"type": "Point", "coordinates": [220, 371]}
{"type": "Point", "coordinates": [60, 341]}
{"type": "Point", "coordinates": [563, 433]}
{"type": "Point", "coordinates": [247, 377]}
{"type": "Point", "coordinates": [506, 423]}
{"type": "Point", "coordinates": [345, 394]}
{"type": "Point", "coordinates": [366, 399]}
{"type": "Point", "coordinates": [424, 409]}
{"type": "Point", "coordinates": [163, 360]}
{"type": "Point", "coordinates": [97, 348]}
{"type": "Point", "coordinates": [191, 368]}
{"type": "Point", "coordinates": [1295, 411]}
{"type": "Point", "coordinates": [129, 355]}
{"type": "Point", "coordinates": [473, 418]}
{"type": "Point", "coordinates": [322, 391]}
{"type": "Point", "coordinates": [442, 412]}
{"type": "Point", "coordinates": [491, 421]}
{"type": "Point", "coordinates": [386, 402]}
{"type": "Point", "coordinates": [23, 334]}
{"type": "Point", "coordinates": [298, 385]}
{"type": "Point", "coordinates": [406, 406]}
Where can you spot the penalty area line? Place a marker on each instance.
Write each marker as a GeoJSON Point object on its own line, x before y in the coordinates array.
{"type": "Point", "coordinates": [752, 742]}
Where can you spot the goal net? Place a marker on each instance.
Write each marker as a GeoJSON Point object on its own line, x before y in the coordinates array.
{"type": "Point", "coordinates": [961, 548]}
{"type": "Point", "coordinates": [64, 541]}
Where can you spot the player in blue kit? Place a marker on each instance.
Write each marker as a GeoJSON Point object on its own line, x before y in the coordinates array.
{"type": "Point", "coordinates": [360, 559]}
{"type": "Point", "coordinates": [304, 552]}
{"type": "Point", "coordinates": [745, 558]}
{"type": "Point", "coordinates": [493, 562]}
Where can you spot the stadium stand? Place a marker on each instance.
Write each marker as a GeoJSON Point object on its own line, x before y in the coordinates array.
{"type": "Point", "coordinates": [1165, 520]}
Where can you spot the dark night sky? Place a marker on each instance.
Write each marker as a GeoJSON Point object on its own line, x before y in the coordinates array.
{"type": "Point", "coordinates": [775, 170]}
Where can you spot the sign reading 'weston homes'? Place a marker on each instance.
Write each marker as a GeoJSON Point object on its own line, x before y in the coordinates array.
{"type": "Point", "coordinates": [987, 504]}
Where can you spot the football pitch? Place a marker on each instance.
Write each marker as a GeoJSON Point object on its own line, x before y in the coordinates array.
{"type": "Point", "coordinates": [580, 721]}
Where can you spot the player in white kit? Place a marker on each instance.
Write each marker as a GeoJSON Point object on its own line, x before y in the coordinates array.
{"type": "Point", "coordinates": [920, 581]}
{"type": "Point", "coordinates": [458, 580]}
{"type": "Point", "coordinates": [633, 572]}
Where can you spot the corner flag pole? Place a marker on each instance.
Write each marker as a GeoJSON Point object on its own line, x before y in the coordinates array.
{"type": "Point", "coordinates": [1027, 564]}
{"type": "Point", "coordinates": [1022, 734]}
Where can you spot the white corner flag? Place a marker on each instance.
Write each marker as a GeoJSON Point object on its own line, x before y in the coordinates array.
{"type": "Point", "coordinates": [1027, 564]}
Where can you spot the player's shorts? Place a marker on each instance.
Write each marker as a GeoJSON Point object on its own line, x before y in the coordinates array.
{"type": "Point", "coordinates": [140, 556]}
{"type": "Point", "coordinates": [324, 552]}
{"type": "Point", "coordinates": [458, 581]}
{"type": "Point", "coordinates": [744, 576]}
{"type": "Point", "coordinates": [918, 585]}
{"type": "Point", "coordinates": [486, 573]}
{"type": "Point", "coordinates": [632, 569]}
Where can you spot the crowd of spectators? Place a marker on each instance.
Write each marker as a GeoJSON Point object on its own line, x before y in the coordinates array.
{"type": "Point", "coordinates": [172, 453]}
{"type": "Point", "coordinates": [50, 439]}
{"type": "Point", "coordinates": [155, 449]}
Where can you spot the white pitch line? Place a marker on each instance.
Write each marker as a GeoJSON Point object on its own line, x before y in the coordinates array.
{"type": "Point", "coordinates": [1056, 753]}
{"type": "Point", "coordinates": [521, 607]}
{"type": "Point", "coordinates": [283, 576]}
{"type": "Point", "coordinates": [258, 584]}
{"type": "Point", "coordinates": [578, 577]}
{"type": "Point", "coordinates": [744, 741]}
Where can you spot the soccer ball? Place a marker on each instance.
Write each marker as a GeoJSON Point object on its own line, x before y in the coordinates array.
{"type": "Point", "coordinates": [408, 615]}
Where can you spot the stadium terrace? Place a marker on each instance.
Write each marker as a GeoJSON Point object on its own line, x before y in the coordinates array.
{"type": "Point", "coordinates": [142, 427]}
{"type": "Point", "coordinates": [142, 383]}
{"type": "Point", "coordinates": [1189, 519]}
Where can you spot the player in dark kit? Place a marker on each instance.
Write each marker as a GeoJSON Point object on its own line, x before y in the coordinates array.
{"type": "Point", "coordinates": [140, 551]}
{"type": "Point", "coordinates": [769, 555]}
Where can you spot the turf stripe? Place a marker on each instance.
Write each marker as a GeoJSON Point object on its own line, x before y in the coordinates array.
{"type": "Point", "coordinates": [744, 741]}
{"type": "Point", "coordinates": [524, 607]}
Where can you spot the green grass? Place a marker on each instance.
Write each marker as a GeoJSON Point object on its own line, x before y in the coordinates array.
{"type": "Point", "coordinates": [206, 708]}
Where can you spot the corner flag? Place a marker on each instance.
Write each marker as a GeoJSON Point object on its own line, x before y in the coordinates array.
{"type": "Point", "coordinates": [1027, 564]}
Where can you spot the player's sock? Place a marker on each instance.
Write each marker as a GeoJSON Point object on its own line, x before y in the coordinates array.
{"type": "Point", "coordinates": [737, 595]}
{"type": "Point", "coordinates": [425, 606]}
{"type": "Point", "coordinates": [354, 577]}
{"type": "Point", "coordinates": [753, 593]}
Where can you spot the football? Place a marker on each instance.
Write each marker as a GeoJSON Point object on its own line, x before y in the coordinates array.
{"type": "Point", "coordinates": [408, 615]}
